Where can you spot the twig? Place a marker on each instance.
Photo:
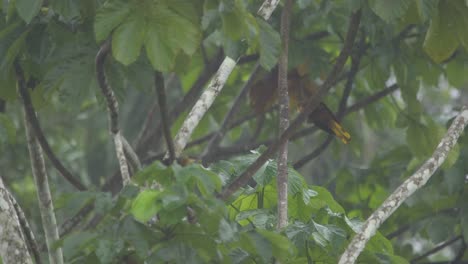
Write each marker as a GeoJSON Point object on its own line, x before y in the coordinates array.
{"type": "Point", "coordinates": [371, 99]}
{"type": "Point", "coordinates": [310, 106]}
{"type": "Point", "coordinates": [46, 206]}
{"type": "Point", "coordinates": [131, 156]}
{"type": "Point", "coordinates": [436, 249]}
{"type": "Point", "coordinates": [161, 92]}
{"type": "Point", "coordinates": [214, 88]}
{"type": "Point", "coordinates": [406, 189]}
{"type": "Point", "coordinates": [113, 110]}
{"type": "Point", "coordinates": [218, 135]}
{"type": "Point", "coordinates": [283, 101]}
{"type": "Point", "coordinates": [315, 153]}
{"type": "Point", "coordinates": [72, 222]}
{"type": "Point", "coordinates": [36, 127]}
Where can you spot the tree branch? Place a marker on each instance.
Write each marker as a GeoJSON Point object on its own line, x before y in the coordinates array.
{"type": "Point", "coordinates": [36, 127]}
{"type": "Point", "coordinates": [46, 206]}
{"type": "Point", "coordinates": [436, 249]}
{"type": "Point", "coordinates": [283, 101]}
{"type": "Point", "coordinates": [311, 104]}
{"type": "Point", "coordinates": [113, 110]}
{"type": "Point", "coordinates": [406, 189]}
{"type": "Point", "coordinates": [214, 88]}
{"type": "Point", "coordinates": [166, 126]}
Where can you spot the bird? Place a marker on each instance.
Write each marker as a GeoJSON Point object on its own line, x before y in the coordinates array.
{"type": "Point", "coordinates": [264, 93]}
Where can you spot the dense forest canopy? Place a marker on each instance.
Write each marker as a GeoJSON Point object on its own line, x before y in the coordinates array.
{"type": "Point", "coordinates": [233, 131]}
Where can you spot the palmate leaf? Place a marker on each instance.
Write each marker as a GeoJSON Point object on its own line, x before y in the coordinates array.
{"type": "Point", "coordinates": [128, 39]}
{"type": "Point", "coordinates": [447, 30]}
{"type": "Point", "coordinates": [390, 11]}
{"type": "Point", "coordinates": [27, 9]}
{"type": "Point", "coordinates": [108, 17]}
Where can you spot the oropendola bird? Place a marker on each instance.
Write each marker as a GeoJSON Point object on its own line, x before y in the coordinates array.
{"type": "Point", "coordinates": [264, 92]}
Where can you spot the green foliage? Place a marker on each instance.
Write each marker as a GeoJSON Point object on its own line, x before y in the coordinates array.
{"type": "Point", "coordinates": [171, 214]}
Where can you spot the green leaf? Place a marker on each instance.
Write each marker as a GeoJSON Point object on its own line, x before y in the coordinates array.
{"type": "Point", "coordinates": [28, 9]}
{"type": "Point", "coordinates": [390, 11]}
{"type": "Point", "coordinates": [324, 198]}
{"type": "Point", "coordinates": [75, 242]}
{"type": "Point", "coordinates": [128, 39]}
{"type": "Point", "coordinates": [109, 16]}
{"type": "Point", "coordinates": [68, 9]}
{"type": "Point", "coordinates": [108, 250]}
{"type": "Point", "coordinates": [455, 71]}
{"type": "Point", "coordinates": [9, 127]}
{"type": "Point", "coordinates": [226, 230]}
{"type": "Point", "coordinates": [232, 17]}
{"type": "Point", "coordinates": [441, 37]}
{"type": "Point", "coordinates": [270, 44]}
{"type": "Point", "coordinates": [145, 206]}
{"type": "Point", "coordinates": [281, 246]}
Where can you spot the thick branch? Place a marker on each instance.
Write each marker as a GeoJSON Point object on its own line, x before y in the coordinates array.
{"type": "Point", "coordinates": [405, 190]}
{"type": "Point", "coordinates": [214, 88]}
{"type": "Point", "coordinates": [113, 110]}
{"type": "Point", "coordinates": [283, 101]}
{"type": "Point", "coordinates": [13, 244]}
{"type": "Point", "coordinates": [312, 103]}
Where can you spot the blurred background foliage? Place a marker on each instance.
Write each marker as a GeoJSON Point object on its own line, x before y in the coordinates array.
{"type": "Point", "coordinates": [418, 45]}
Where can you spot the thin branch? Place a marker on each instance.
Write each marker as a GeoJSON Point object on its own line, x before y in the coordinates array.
{"type": "Point", "coordinates": [131, 156]}
{"type": "Point", "coordinates": [283, 101]}
{"type": "Point", "coordinates": [406, 189]}
{"type": "Point", "coordinates": [46, 206]}
{"type": "Point", "coordinates": [371, 99]}
{"type": "Point", "coordinates": [214, 88]}
{"type": "Point", "coordinates": [436, 249]}
{"type": "Point", "coordinates": [311, 104]}
{"type": "Point", "coordinates": [36, 127]}
{"type": "Point", "coordinates": [161, 92]}
{"type": "Point", "coordinates": [74, 221]}
{"type": "Point", "coordinates": [225, 126]}
{"type": "Point", "coordinates": [113, 110]}
{"type": "Point", "coordinates": [315, 153]}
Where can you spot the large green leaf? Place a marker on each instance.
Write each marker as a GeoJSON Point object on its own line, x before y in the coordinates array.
{"type": "Point", "coordinates": [270, 44]}
{"type": "Point", "coordinates": [28, 9]}
{"type": "Point", "coordinates": [109, 16]}
{"type": "Point", "coordinates": [159, 52]}
{"type": "Point", "coordinates": [128, 39]}
{"type": "Point", "coordinates": [145, 206]}
{"type": "Point", "coordinates": [390, 10]}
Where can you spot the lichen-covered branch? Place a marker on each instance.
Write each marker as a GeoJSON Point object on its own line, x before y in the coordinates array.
{"type": "Point", "coordinates": [13, 246]}
{"type": "Point", "coordinates": [113, 111]}
{"type": "Point", "coordinates": [214, 88]}
{"type": "Point", "coordinates": [406, 189]}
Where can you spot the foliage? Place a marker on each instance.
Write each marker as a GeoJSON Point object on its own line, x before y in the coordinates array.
{"type": "Point", "coordinates": [418, 44]}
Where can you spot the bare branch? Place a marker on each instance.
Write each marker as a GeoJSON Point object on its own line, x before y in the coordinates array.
{"type": "Point", "coordinates": [214, 88]}
{"type": "Point", "coordinates": [36, 127]}
{"type": "Point", "coordinates": [283, 101]}
{"type": "Point", "coordinates": [113, 110]}
{"type": "Point", "coordinates": [161, 92]}
{"type": "Point", "coordinates": [49, 222]}
{"type": "Point", "coordinates": [406, 189]}
{"type": "Point", "coordinates": [311, 104]}
{"type": "Point", "coordinates": [436, 249]}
